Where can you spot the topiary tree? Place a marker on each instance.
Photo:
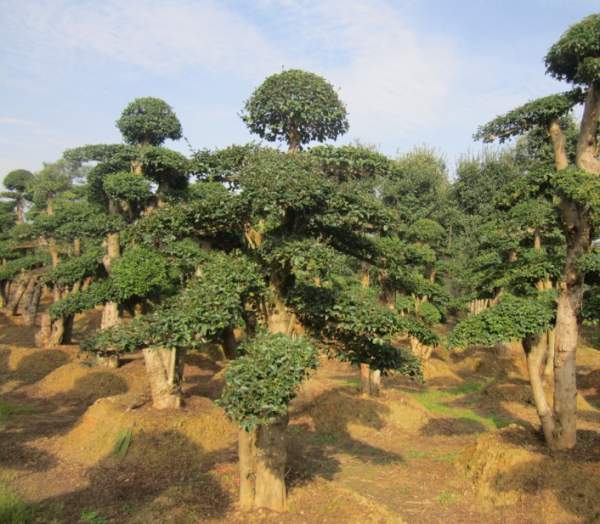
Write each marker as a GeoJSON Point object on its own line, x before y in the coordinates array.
{"type": "Point", "coordinates": [17, 182]}
{"type": "Point", "coordinates": [121, 179]}
{"type": "Point", "coordinates": [574, 58]}
{"type": "Point", "coordinates": [259, 386]}
{"type": "Point", "coordinates": [297, 107]}
{"type": "Point", "coordinates": [149, 121]}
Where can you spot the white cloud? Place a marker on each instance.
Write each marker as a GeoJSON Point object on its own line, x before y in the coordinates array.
{"type": "Point", "coordinates": [392, 78]}
{"type": "Point", "coordinates": [162, 36]}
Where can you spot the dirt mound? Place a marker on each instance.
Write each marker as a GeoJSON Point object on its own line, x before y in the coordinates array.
{"type": "Point", "coordinates": [106, 421]}
{"type": "Point", "coordinates": [342, 411]}
{"type": "Point", "coordinates": [512, 466]}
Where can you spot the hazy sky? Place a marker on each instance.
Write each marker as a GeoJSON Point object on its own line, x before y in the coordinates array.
{"type": "Point", "coordinates": [410, 71]}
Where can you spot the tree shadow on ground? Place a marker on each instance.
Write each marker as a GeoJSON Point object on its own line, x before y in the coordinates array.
{"type": "Point", "coordinates": [589, 380]}
{"type": "Point", "coordinates": [202, 376]}
{"type": "Point", "coordinates": [36, 366]}
{"type": "Point", "coordinates": [450, 427]}
{"type": "Point", "coordinates": [164, 477]}
{"type": "Point", "coordinates": [44, 418]}
{"type": "Point", "coordinates": [572, 477]}
{"type": "Point", "coordinates": [322, 432]}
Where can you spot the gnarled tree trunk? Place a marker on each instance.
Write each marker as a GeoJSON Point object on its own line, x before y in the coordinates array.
{"type": "Point", "coordinates": [535, 351]}
{"type": "Point", "coordinates": [263, 457]}
{"type": "Point", "coordinates": [165, 373]}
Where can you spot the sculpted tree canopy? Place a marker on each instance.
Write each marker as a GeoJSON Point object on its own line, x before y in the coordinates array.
{"type": "Point", "coordinates": [149, 121]}
{"type": "Point", "coordinates": [297, 107]}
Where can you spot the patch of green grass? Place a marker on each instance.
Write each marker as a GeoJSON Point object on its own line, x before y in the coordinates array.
{"type": "Point", "coordinates": [122, 443]}
{"type": "Point", "coordinates": [469, 387]}
{"type": "Point", "coordinates": [416, 454]}
{"type": "Point", "coordinates": [13, 510]}
{"type": "Point", "coordinates": [91, 516]}
{"type": "Point", "coordinates": [435, 401]}
{"type": "Point", "coordinates": [8, 410]}
{"type": "Point", "coordinates": [447, 457]}
{"type": "Point", "coordinates": [445, 497]}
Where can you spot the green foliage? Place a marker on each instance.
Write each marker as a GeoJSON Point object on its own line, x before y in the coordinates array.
{"type": "Point", "coordinates": [576, 55]}
{"type": "Point", "coordinates": [513, 318]}
{"type": "Point", "coordinates": [123, 442]}
{"type": "Point", "coordinates": [223, 165]}
{"type": "Point", "coordinates": [141, 273]}
{"type": "Point", "coordinates": [97, 293]}
{"type": "Point", "coordinates": [211, 302]}
{"type": "Point", "coordinates": [149, 121]}
{"type": "Point", "coordinates": [164, 166]}
{"type": "Point", "coordinates": [52, 180]}
{"type": "Point", "coordinates": [417, 186]}
{"type": "Point", "coordinates": [17, 180]}
{"type": "Point", "coordinates": [121, 338]}
{"type": "Point", "coordinates": [347, 163]}
{"type": "Point", "coordinates": [13, 267]}
{"type": "Point", "coordinates": [124, 185]}
{"type": "Point", "coordinates": [75, 269]}
{"type": "Point", "coordinates": [295, 106]}
{"type": "Point", "coordinates": [261, 383]}
{"type": "Point", "coordinates": [76, 219]}
{"type": "Point", "coordinates": [13, 510]}
{"type": "Point", "coordinates": [580, 187]}
{"type": "Point", "coordinates": [429, 313]}
{"type": "Point", "coordinates": [539, 112]}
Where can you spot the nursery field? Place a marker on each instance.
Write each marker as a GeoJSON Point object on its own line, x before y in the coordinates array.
{"type": "Point", "coordinates": [80, 443]}
{"type": "Point", "coordinates": [292, 330]}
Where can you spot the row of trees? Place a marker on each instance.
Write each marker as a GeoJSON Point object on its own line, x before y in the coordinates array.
{"type": "Point", "coordinates": [277, 256]}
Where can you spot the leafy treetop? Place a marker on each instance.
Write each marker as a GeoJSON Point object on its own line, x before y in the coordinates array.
{"type": "Point", "coordinates": [149, 121]}
{"type": "Point", "coordinates": [576, 56]}
{"type": "Point", "coordinates": [295, 106]}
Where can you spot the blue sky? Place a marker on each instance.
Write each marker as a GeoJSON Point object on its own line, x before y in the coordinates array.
{"type": "Point", "coordinates": [411, 72]}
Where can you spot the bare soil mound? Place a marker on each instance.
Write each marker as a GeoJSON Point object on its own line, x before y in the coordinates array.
{"type": "Point", "coordinates": [512, 467]}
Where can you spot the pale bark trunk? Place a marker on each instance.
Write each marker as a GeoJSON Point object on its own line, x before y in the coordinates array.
{"type": "Point", "coordinates": [247, 454]}
{"type": "Point", "coordinates": [559, 144]}
{"type": "Point", "coordinates": [33, 306]}
{"type": "Point", "coordinates": [364, 379]}
{"type": "Point", "coordinates": [293, 141]}
{"type": "Point", "coordinates": [23, 304]}
{"type": "Point", "coordinates": [42, 337]}
{"type": "Point", "coordinates": [375, 382]}
{"type": "Point", "coordinates": [110, 361]}
{"type": "Point", "coordinates": [270, 460]}
{"type": "Point", "coordinates": [165, 372]}
{"type": "Point", "coordinates": [535, 351]}
{"type": "Point", "coordinates": [15, 297]}
{"type": "Point", "coordinates": [587, 145]}
{"type": "Point", "coordinates": [577, 228]}
{"type": "Point", "coordinates": [110, 312]}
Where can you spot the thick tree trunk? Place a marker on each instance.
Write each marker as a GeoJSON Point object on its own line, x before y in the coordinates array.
{"type": "Point", "coordinates": [370, 380]}
{"type": "Point", "coordinates": [110, 313]}
{"type": "Point", "coordinates": [42, 337]}
{"type": "Point", "coordinates": [110, 361]}
{"type": "Point", "coordinates": [535, 351]}
{"type": "Point", "coordinates": [34, 304]}
{"type": "Point", "coordinates": [165, 373]}
{"type": "Point", "coordinates": [374, 382]}
{"type": "Point", "coordinates": [270, 460]}
{"type": "Point", "coordinates": [578, 237]}
{"type": "Point", "coordinates": [15, 298]}
{"type": "Point", "coordinates": [247, 456]}
{"type": "Point", "coordinates": [293, 141]}
{"type": "Point", "coordinates": [365, 387]}
{"type": "Point", "coordinates": [26, 297]}
{"type": "Point", "coordinates": [587, 144]}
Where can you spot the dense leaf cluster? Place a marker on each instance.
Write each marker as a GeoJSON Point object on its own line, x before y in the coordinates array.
{"type": "Point", "coordinates": [261, 383]}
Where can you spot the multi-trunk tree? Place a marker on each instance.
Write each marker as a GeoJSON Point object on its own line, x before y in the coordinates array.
{"type": "Point", "coordinates": [574, 58]}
